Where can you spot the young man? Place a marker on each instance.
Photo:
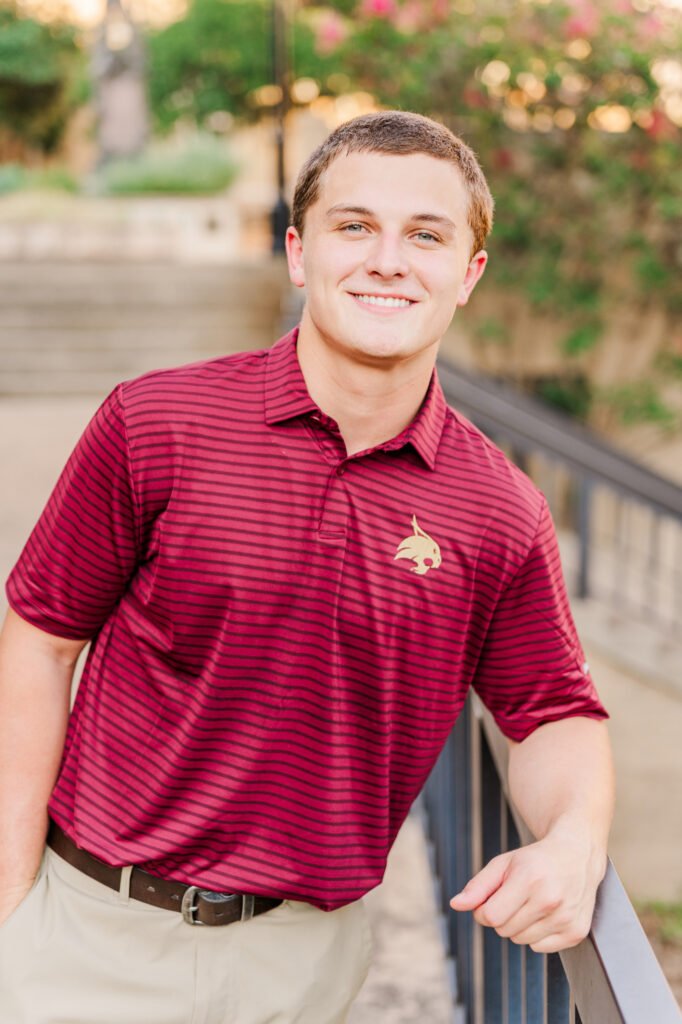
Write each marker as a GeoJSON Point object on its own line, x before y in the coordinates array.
{"type": "Point", "coordinates": [292, 565]}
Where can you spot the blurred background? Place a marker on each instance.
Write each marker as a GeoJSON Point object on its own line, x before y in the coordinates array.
{"type": "Point", "coordinates": [574, 109]}
{"type": "Point", "coordinates": [148, 150]}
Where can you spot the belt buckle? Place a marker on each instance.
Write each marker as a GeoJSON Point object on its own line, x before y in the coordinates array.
{"type": "Point", "coordinates": [193, 893]}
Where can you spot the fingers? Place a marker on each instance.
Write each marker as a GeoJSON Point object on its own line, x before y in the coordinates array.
{"type": "Point", "coordinates": [530, 899]}
{"type": "Point", "coordinates": [479, 888]}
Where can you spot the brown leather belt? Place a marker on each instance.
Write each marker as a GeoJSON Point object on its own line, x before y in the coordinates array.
{"type": "Point", "coordinates": [197, 906]}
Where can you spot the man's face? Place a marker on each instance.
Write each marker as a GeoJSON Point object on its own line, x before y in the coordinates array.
{"type": "Point", "coordinates": [385, 256]}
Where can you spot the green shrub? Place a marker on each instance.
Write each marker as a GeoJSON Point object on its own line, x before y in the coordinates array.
{"type": "Point", "coordinates": [217, 57]}
{"type": "Point", "coordinates": [200, 166]}
{"type": "Point", "coordinates": [12, 177]}
{"type": "Point", "coordinates": [41, 78]}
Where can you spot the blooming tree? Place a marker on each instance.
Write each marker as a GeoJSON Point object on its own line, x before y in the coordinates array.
{"type": "Point", "coordinates": [575, 111]}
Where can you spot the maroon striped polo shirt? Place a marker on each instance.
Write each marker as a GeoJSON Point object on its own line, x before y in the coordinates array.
{"type": "Point", "coordinates": [284, 636]}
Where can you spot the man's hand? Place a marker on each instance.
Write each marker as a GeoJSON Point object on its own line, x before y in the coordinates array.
{"type": "Point", "coordinates": [561, 780]}
{"type": "Point", "coordinates": [541, 895]}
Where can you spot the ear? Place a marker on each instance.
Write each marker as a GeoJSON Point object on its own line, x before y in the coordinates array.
{"type": "Point", "coordinates": [472, 276]}
{"type": "Point", "coordinates": [294, 247]}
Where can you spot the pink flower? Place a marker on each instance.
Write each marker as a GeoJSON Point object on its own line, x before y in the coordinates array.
{"type": "Point", "coordinates": [330, 31]}
{"type": "Point", "coordinates": [441, 9]}
{"type": "Point", "coordinates": [503, 158]}
{"type": "Point", "coordinates": [584, 22]}
{"type": "Point", "coordinates": [650, 27]}
{"type": "Point", "coordinates": [660, 127]}
{"type": "Point", "coordinates": [474, 98]}
{"type": "Point", "coordinates": [378, 8]}
{"type": "Point", "coordinates": [409, 16]}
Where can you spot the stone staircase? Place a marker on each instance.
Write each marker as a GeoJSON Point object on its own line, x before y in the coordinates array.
{"type": "Point", "coordinates": [79, 328]}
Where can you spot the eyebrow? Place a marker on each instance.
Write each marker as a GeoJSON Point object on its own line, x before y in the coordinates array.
{"type": "Point", "coordinates": [363, 211]}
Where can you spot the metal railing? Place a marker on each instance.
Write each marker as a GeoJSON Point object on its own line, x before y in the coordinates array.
{"type": "Point", "coordinates": [612, 977]}
{"type": "Point", "coordinates": [621, 532]}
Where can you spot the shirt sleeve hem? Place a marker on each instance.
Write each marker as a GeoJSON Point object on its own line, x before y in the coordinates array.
{"type": "Point", "coordinates": [519, 732]}
{"type": "Point", "coordinates": [58, 630]}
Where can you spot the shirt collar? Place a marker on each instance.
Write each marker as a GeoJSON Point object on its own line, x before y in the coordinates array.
{"type": "Point", "coordinates": [286, 396]}
{"type": "Point", "coordinates": [426, 429]}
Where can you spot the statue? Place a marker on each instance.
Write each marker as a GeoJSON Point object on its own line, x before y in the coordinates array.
{"type": "Point", "coordinates": [118, 69]}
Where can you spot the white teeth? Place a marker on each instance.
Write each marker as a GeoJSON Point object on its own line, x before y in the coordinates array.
{"type": "Point", "coordinates": [376, 300]}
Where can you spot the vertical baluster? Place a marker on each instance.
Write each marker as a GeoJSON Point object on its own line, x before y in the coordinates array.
{"type": "Point", "coordinates": [535, 996]}
{"type": "Point", "coordinates": [491, 793]}
{"type": "Point", "coordinates": [584, 524]}
{"type": "Point", "coordinates": [618, 554]}
{"type": "Point", "coordinates": [513, 952]}
{"type": "Point", "coordinates": [651, 590]}
{"type": "Point", "coordinates": [476, 849]}
{"type": "Point", "coordinates": [676, 602]}
{"type": "Point", "coordinates": [551, 491]}
{"type": "Point", "coordinates": [558, 994]}
{"type": "Point", "coordinates": [461, 925]}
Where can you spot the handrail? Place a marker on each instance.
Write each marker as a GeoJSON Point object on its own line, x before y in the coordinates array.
{"type": "Point", "coordinates": [531, 425]}
{"type": "Point", "coordinates": [613, 974]}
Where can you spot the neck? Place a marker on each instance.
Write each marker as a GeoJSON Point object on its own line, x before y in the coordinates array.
{"type": "Point", "coordinates": [371, 401]}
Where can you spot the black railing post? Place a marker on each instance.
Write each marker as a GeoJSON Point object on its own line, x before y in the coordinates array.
{"type": "Point", "coordinates": [491, 795]}
{"type": "Point", "coordinates": [461, 924]}
{"type": "Point", "coordinates": [558, 994]}
{"type": "Point", "coordinates": [584, 527]}
{"type": "Point", "coordinates": [514, 953]}
{"type": "Point", "coordinates": [280, 213]}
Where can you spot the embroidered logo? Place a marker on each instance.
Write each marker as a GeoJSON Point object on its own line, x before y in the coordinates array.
{"type": "Point", "coordinates": [421, 549]}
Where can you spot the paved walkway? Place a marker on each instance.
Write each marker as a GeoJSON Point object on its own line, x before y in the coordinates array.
{"type": "Point", "coordinates": [409, 983]}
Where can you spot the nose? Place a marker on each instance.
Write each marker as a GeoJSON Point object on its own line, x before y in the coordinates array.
{"type": "Point", "coordinates": [386, 256]}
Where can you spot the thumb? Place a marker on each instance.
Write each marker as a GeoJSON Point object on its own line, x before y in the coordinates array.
{"type": "Point", "coordinates": [479, 888]}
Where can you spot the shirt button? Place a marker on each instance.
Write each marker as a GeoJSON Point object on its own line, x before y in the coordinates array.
{"type": "Point", "coordinates": [341, 470]}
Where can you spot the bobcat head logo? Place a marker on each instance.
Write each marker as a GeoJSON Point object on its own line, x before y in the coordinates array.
{"type": "Point", "coordinates": [421, 549]}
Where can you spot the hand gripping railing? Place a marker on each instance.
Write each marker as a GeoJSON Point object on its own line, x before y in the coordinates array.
{"type": "Point", "coordinates": [611, 977]}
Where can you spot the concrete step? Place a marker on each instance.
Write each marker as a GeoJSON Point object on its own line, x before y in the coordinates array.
{"type": "Point", "coordinates": [83, 320]}
{"type": "Point", "coordinates": [104, 339]}
{"type": "Point", "coordinates": [79, 329]}
{"type": "Point", "coordinates": [183, 348]}
{"type": "Point", "coordinates": [103, 284]}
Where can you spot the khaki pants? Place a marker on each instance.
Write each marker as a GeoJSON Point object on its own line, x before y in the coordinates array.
{"type": "Point", "coordinates": [75, 952]}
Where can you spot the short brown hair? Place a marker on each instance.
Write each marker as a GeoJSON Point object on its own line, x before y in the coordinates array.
{"type": "Point", "coordinates": [397, 132]}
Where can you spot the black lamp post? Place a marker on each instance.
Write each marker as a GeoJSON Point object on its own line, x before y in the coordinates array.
{"type": "Point", "coordinates": [280, 212]}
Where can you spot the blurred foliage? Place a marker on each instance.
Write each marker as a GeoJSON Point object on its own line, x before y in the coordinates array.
{"type": "Point", "coordinates": [639, 402]}
{"type": "Point", "coordinates": [572, 394]}
{"type": "Point", "coordinates": [42, 78]}
{"type": "Point", "coordinates": [12, 177]}
{"type": "Point", "coordinates": [217, 58]}
{"type": "Point", "coordinates": [666, 918]}
{"type": "Point", "coordinates": [574, 110]}
{"type": "Point", "coordinates": [54, 178]}
{"type": "Point", "coordinates": [195, 166]}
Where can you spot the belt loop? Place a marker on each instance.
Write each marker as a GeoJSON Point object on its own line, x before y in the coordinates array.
{"type": "Point", "coordinates": [124, 887]}
{"type": "Point", "coordinates": [248, 902]}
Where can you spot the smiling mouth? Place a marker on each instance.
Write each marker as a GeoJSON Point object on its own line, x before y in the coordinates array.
{"type": "Point", "coordinates": [385, 301]}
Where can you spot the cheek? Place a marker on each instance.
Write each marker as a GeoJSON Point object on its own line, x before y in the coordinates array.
{"type": "Point", "coordinates": [320, 266]}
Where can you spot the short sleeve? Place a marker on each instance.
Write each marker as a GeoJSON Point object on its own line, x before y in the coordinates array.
{"type": "Point", "coordinates": [532, 668]}
{"type": "Point", "coordinates": [84, 548]}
